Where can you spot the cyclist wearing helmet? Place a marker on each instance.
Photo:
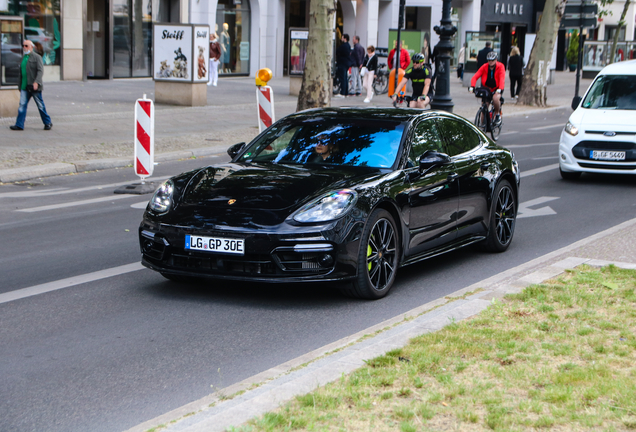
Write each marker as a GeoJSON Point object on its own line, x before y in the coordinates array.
{"type": "Point", "coordinates": [493, 76]}
{"type": "Point", "coordinates": [420, 75]}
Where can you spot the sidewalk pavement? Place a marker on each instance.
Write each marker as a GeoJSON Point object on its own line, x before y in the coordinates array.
{"type": "Point", "coordinates": [93, 122]}
{"type": "Point", "coordinates": [270, 389]}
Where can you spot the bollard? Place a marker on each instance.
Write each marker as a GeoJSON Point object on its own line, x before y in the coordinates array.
{"type": "Point", "coordinates": [144, 138]}
{"type": "Point", "coordinates": [264, 99]}
{"type": "Point", "coordinates": [144, 148]}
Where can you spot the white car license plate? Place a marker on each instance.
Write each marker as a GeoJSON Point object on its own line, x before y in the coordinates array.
{"type": "Point", "coordinates": [215, 244]}
{"type": "Point", "coordinates": [607, 155]}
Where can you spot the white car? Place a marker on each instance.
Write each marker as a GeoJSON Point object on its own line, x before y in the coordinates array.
{"type": "Point", "coordinates": [600, 136]}
{"type": "Point", "coordinates": [37, 34]}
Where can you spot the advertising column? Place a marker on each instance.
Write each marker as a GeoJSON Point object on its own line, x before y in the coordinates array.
{"type": "Point", "coordinates": [180, 60]}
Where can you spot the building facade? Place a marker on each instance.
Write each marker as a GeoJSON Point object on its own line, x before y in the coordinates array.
{"type": "Point", "coordinates": [106, 39]}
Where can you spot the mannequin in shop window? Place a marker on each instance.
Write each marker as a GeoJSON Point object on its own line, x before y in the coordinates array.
{"type": "Point", "coordinates": [225, 49]}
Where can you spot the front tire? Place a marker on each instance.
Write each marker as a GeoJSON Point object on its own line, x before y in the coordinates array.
{"type": "Point", "coordinates": [378, 258]}
{"type": "Point", "coordinates": [503, 216]}
{"type": "Point", "coordinates": [480, 119]}
{"type": "Point", "coordinates": [380, 84]}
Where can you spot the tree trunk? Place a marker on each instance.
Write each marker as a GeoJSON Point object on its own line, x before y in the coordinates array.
{"type": "Point", "coordinates": [535, 81]}
{"type": "Point", "coordinates": [621, 22]}
{"type": "Point", "coordinates": [315, 91]}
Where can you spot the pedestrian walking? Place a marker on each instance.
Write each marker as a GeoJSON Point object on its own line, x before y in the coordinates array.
{"type": "Point", "coordinates": [461, 59]}
{"type": "Point", "coordinates": [215, 55]}
{"type": "Point", "coordinates": [343, 62]}
{"type": "Point", "coordinates": [369, 66]}
{"type": "Point", "coordinates": [357, 56]}
{"type": "Point", "coordinates": [515, 71]}
{"type": "Point", "coordinates": [483, 54]}
{"type": "Point", "coordinates": [30, 82]}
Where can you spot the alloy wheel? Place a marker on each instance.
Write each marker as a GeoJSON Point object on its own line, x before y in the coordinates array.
{"type": "Point", "coordinates": [381, 254]}
{"type": "Point", "coordinates": [505, 215]}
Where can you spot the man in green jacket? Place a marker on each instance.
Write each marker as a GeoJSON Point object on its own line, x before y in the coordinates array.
{"type": "Point", "coordinates": [30, 83]}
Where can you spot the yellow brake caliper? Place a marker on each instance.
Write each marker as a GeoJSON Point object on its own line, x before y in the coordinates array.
{"type": "Point", "coordinates": [369, 251]}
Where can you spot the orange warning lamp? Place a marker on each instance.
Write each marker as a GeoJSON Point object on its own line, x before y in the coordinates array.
{"type": "Point", "coordinates": [263, 76]}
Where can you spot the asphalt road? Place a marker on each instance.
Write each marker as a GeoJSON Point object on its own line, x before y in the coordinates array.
{"type": "Point", "coordinates": [104, 353]}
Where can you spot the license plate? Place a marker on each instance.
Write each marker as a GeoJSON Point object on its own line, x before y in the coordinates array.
{"type": "Point", "coordinates": [215, 244]}
{"type": "Point", "coordinates": [607, 155]}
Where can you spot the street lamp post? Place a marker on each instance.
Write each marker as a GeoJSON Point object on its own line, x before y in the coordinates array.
{"type": "Point", "coordinates": [442, 99]}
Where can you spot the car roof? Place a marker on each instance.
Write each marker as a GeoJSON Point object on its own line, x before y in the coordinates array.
{"type": "Point", "coordinates": [621, 68]}
{"type": "Point", "coordinates": [379, 113]}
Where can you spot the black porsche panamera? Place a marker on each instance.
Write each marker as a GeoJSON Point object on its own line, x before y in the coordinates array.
{"type": "Point", "coordinates": [335, 194]}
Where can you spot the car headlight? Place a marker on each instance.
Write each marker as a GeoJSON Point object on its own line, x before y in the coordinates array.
{"type": "Point", "coordinates": [161, 201]}
{"type": "Point", "coordinates": [571, 129]}
{"type": "Point", "coordinates": [328, 207]}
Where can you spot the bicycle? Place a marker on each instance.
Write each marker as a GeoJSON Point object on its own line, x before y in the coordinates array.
{"type": "Point", "coordinates": [484, 119]}
{"type": "Point", "coordinates": [381, 80]}
{"type": "Point", "coordinates": [402, 101]}
{"type": "Point", "coordinates": [336, 80]}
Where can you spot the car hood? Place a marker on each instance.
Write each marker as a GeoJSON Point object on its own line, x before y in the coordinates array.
{"type": "Point", "coordinates": [603, 120]}
{"type": "Point", "coordinates": [235, 194]}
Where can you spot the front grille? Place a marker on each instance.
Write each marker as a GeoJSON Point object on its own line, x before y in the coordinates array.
{"type": "Point", "coordinates": [247, 265]}
{"type": "Point", "coordinates": [616, 133]}
{"type": "Point", "coordinates": [607, 166]}
{"type": "Point", "coordinates": [582, 150]}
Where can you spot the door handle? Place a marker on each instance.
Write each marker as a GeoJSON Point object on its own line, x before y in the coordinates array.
{"type": "Point", "coordinates": [452, 176]}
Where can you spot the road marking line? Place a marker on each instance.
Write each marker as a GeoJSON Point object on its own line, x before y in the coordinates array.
{"type": "Point", "coordinates": [508, 133]}
{"type": "Point", "coordinates": [69, 282]}
{"type": "Point", "coordinates": [546, 157]}
{"type": "Point", "coordinates": [530, 145]}
{"type": "Point", "coordinates": [74, 203]}
{"type": "Point", "coordinates": [547, 127]}
{"type": "Point", "coordinates": [539, 170]}
{"type": "Point", "coordinates": [60, 191]}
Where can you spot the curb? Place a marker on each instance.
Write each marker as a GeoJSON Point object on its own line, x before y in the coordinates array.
{"type": "Point", "coordinates": [267, 390]}
{"type": "Point", "coordinates": [33, 172]}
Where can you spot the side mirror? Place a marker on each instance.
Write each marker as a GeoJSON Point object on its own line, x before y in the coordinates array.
{"type": "Point", "coordinates": [575, 102]}
{"type": "Point", "coordinates": [432, 158]}
{"type": "Point", "coordinates": [235, 149]}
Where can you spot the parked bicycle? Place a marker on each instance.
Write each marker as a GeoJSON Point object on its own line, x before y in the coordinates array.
{"type": "Point", "coordinates": [336, 80]}
{"type": "Point", "coordinates": [484, 119]}
{"type": "Point", "coordinates": [381, 79]}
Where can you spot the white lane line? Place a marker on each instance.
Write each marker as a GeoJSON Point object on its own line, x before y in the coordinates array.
{"type": "Point", "coordinates": [539, 170]}
{"type": "Point", "coordinates": [69, 282]}
{"type": "Point", "coordinates": [548, 127]}
{"type": "Point", "coordinates": [74, 203]}
{"type": "Point", "coordinates": [508, 133]}
{"type": "Point", "coordinates": [530, 145]}
{"type": "Point", "coordinates": [61, 191]}
{"type": "Point", "coordinates": [545, 157]}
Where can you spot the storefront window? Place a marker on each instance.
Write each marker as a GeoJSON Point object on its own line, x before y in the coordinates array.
{"type": "Point", "coordinates": [41, 25]}
{"type": "Point", "coordinates": [11, 44]}
{"type": "Point", "coordinates": [233, 29]}
{"type": "Point", "coordinates": [132, 38]}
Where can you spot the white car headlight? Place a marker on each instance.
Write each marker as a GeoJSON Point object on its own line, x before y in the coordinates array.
{"type": "Point", "coordinates": [328, 207]}
{"type": "Point", "coordinates": [571, 129]}
{"type": "Point", "coordinates": [161, 201]}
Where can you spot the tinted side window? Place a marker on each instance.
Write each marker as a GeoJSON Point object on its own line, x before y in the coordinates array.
{"type": "Point", "coordinates": [460, 137]}
{"type": "Point", "coordinates": [426, 137]}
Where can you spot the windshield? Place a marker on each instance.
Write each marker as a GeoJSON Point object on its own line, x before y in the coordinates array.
{"type": "Point", "coordinates": [350, 142]}
{"type": "Point", "coordinates": [612, 92]}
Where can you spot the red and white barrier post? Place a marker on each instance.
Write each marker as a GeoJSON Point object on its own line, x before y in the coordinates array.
{"type": "Point", "coordinates": [264, 99]}
{"type": "Point", "coordinates": [144, 138]}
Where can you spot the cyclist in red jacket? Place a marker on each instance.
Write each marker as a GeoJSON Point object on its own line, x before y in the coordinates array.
{"type": "Point", "coordinates": [493, 76]}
